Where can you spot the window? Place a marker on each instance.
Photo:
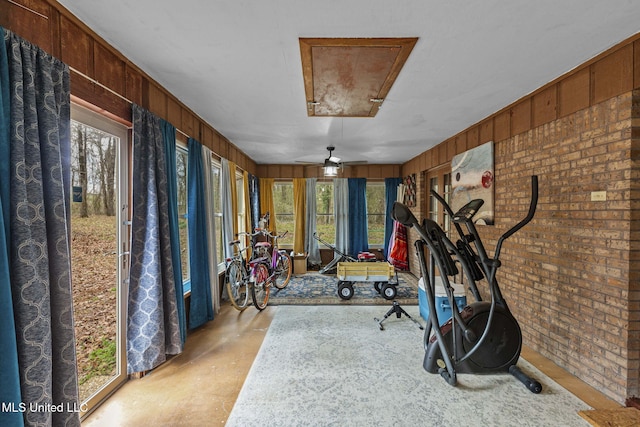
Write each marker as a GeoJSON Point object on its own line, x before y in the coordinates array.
{"type": "Point", "coordinates": [181, 169]}
{"type": "Point", "coordinates": [375, 213]}
{"type": "Point", "coordinates": [325, 218]}
{"type": "Point", "coordinates": [241, 205]}
{"type": "Point", "coordinates": [217, 212]}
{"type": "Point", "coordinates": [283, 206]}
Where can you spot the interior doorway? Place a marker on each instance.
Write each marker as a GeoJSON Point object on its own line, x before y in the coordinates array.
{"type": "Point", "coordinates": [439, 180]}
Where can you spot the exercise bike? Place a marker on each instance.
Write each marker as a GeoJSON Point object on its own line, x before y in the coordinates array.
{"type": "Point", "coordinates": [483, 338]}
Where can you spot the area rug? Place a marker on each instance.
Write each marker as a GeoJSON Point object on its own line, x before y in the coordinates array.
{"type": "Point", "coordinates": [322, 289]}
{"type": "Point", "coordinates": [333, 366]}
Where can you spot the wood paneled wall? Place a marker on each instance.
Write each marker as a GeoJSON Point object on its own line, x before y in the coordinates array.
{"type": "Point", "coordinates": [303, 171]}
{"type": "Point", "coordinates": [103, 79]}
{"type": "Point", "coordinates": [609, 74]}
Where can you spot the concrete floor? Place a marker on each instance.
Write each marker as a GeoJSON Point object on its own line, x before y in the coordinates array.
{"type": "Point", "coordinates": [200, 386]}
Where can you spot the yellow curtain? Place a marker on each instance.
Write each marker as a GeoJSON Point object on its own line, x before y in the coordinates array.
{"type": "Point", "coordinates": [266, 202]}
{"type": "Point", "coordinates": [234, 196]}
{"type": "Point", "coordinates": [299, 213]}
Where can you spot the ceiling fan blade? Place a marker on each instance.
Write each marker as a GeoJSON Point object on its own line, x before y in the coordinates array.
{"type": "Point", "coordinates": [356, 162]}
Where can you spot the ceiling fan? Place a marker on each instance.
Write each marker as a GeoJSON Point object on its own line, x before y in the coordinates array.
{"type": "Point", "coordinates": [333, 164]}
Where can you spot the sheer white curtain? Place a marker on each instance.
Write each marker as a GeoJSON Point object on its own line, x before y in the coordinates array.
{"type": "Point", "coordinates": [341, 209]}
{"type": "Point", "coordinates": [209, 192]}
{"type": "Point", "coordinates": [311, 244]}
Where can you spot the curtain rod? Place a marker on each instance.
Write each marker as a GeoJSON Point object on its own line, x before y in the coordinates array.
{"type": "Point", "coordinates": [92, 80]}
{"type": "Point", "coordinates": [28, 9]}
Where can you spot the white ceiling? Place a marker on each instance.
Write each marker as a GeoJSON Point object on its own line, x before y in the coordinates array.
{"type": "Point", "coordinates": [236, 63]}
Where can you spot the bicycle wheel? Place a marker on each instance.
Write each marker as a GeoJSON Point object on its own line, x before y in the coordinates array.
{"type": "Point", "coordinates": [261, 287]}
{"type": "Point", "coordinates": [283, 270]}
{"type": "Point", "coordinates": [236, 283]}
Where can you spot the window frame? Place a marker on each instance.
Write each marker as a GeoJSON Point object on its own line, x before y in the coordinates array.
{"type": "Point", "coordinates": [216, 170]}
{"type": "Point", "coordinates": [182, 150]}
{"type": "Point", "coordinates": [287, 242]}
{"type": "Point", "coordinates": [332, 216]}
{"type": "Point", "coordinates": [381, 214]}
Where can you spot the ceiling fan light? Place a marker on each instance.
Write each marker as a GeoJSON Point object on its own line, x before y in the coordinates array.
{"type": "Point", "coordinates": [330, 168]}
{"type": "Point", "coordinates": [330, 171]}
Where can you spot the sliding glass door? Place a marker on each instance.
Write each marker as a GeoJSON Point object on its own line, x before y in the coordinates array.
{"type": "Point", "coordinates": [99, 251]}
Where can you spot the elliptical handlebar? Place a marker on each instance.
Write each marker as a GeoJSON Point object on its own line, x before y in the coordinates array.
{"type": "Point", "coordinates": [403, 215]}
{"type": "Point", "coordinates": [525, 221]}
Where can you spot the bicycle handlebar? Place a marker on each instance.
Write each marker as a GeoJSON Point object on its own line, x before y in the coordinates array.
{"type": "Point", "coordinates": [244, 233]}
{"type": "Point", "coordinates": [268, 233]}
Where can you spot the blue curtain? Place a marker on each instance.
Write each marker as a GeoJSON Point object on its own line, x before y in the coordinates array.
{"type": "Point", "coordinates": [391, 194]}
{"type": "Point", "coordinates": [9, 371]}
{"type": "Point", "coordinates": [38, 253]}
{"type": "Point", "coordinates": [153, 327]}
{"type": "Point", "coordinates": [169, 137]}
{"type": "Point", "coordinates": [201, 308]}
{"type": "Point", "coordinates": [358, 234]}
{"type": "Point", "coordinates": [254, 199]}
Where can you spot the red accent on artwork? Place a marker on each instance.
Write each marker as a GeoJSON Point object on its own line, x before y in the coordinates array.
{"type": "Point", "coordinates": [487, 179]}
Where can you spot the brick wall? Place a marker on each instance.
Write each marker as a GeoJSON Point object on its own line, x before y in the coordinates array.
{"type": "Point", "coordinates": [571, 276]}
{"type": "Point", "coordinates": [567, 275]}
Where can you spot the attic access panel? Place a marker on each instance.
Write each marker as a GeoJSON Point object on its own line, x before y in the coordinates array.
{"type": "Point", "coordinates": [350, 77]}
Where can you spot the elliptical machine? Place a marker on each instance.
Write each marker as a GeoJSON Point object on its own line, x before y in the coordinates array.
{"type": "Point", "coordinates": [483, 338]}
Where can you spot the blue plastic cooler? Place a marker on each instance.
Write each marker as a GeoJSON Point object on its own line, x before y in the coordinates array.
{"type": "Point", "coordinates": [443, 309]}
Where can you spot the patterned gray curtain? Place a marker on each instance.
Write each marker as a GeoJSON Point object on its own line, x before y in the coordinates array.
{"type": "Point", "coordinates": [39, 218]}
{"type": "Point", "coordinates": [153, 328]}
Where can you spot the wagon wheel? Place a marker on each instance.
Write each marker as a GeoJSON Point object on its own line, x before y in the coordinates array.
{"type": "Point", "coordinates": [389, 291]}
{"type": "Point", "coordinates": [376, 286]}
{"type": "Point", "coordinates": [345, 290]}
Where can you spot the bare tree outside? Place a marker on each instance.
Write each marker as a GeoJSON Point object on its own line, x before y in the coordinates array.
{"type": "Point", "coordinates": [94, 256]}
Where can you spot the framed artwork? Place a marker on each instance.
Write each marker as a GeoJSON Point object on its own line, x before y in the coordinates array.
{"type": "Point", "coordinates": [472, 177]}
{"type": "Point", "coordinates": [410, 190]}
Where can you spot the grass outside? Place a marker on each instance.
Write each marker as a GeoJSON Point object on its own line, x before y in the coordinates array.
{"type": "Point", "coordinates": [93, 272]}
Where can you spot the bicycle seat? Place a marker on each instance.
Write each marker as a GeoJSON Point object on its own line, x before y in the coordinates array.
{"type": "Point", "coordinates": [263, 245]}
{"type": "Point", "coordinates": [257, 261]}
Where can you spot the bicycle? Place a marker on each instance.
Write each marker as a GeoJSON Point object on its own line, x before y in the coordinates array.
{"type": "Point", "coordinates": [236, 279]}
{"type": "Point", "coordinates": [281, 265]}
{"type": "Point", "coordinates": [242, 274]}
